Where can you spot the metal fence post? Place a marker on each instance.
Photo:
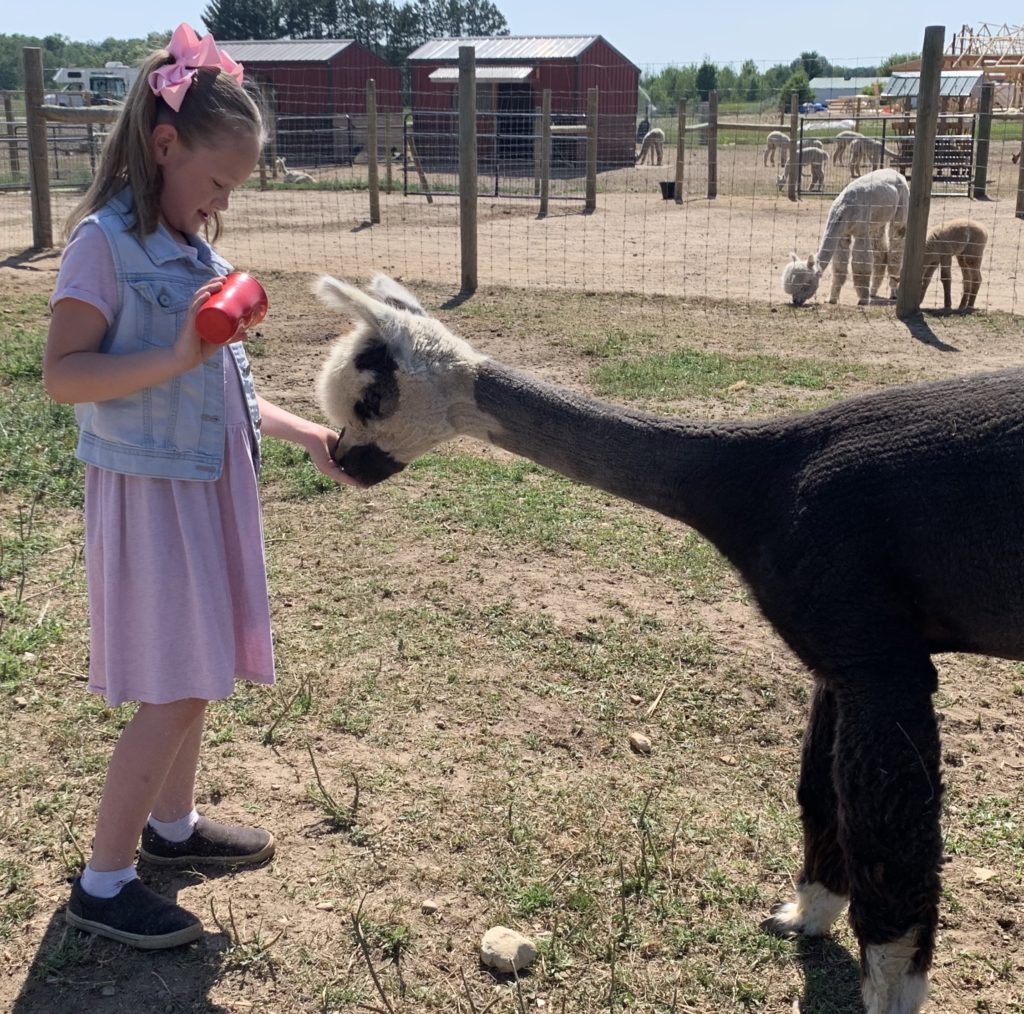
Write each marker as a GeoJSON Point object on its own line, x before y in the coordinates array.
{"type": "Point", "coordinates": [467, 166]}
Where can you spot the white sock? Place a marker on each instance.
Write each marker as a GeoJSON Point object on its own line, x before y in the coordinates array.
{"type": "Point", "coordinates": [175, 830]}
{"type": "Point", "coordinates": [108, 883]}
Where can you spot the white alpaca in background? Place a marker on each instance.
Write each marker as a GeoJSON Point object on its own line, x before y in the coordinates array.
{"type": "Point", "coordinates": [812, 156]}
{"type": "Point", "coordinates": [292, 175]}
{"type": "Point", "coordinates": [870, 214]}
{"type": "Point", "coordinates": [843, 139]}
{"type": "Point", "coordinates": [777, 141]}
{"type": "Point", "coordinates": [652, 147]}
{"type": "Point", "coordinates": [867, 149]}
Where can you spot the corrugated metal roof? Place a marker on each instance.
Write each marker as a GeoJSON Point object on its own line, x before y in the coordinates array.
{"type": "Point", "coordinates": [494, 73]}
{"type": "Point", "coordinates": [952, 84]}
{"type": "Point", "coordinates": [284, 50]}
{"type": "Point", "coordinates": [507, 47]}
{"type": "Point", "coordinates": [842, 82]}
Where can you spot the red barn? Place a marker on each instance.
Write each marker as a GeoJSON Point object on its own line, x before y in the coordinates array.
{"type": "Point", "coordinates": [512, 73]}
{"type": "Point", "coordinates": [316, 89]}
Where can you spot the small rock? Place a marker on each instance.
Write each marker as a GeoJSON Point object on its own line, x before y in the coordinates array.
{"type": "Point", "coordinates": [325, 906]}
{"type": "Point", "coordinates": [981, 874]}
{"type": "Point", "coordinates": [728, 760]}
{"type": "Point", "coordinates": [29, 656]}
{"type": "Point", "coordinates": [21, 702]}
{"type": "Point", "coordinates": [639, 743]}
{"type": "Point", "coordinates": [317, 625]}
{"type": "Point", "coordinates": [506, 950]}
{"type": "Point", "coordinates": [635, 699]}
{"type": "Point", "coordinates": [429, 906]}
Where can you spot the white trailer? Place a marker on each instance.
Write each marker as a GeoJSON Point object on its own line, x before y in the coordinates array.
{"type": "Point", "coordinates": [81, 86]}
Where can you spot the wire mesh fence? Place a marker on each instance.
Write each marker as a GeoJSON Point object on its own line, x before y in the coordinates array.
{"type": "Point", "coordinates": [309, 209]}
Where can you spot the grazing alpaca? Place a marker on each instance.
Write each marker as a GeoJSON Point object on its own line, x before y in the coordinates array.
{"type": "Point", "coordinates": [652, 147]}
{"type": "Point", "coordinates": [867, 149]}
{"type": "Point", "coordinates": [872, 533]}
{"type": "Point", "coordinates": [811, 155]}
{"type": "Point", "coordinates": [965, 240]}
{"type": "Point", "coordinates": [777, 141]}
{"type": "Point", "coordinates": [843, 139]}
{"type": "Point", "coordinates": [870, 214]}
{"type": "Point", "coordinates": [292, 175]}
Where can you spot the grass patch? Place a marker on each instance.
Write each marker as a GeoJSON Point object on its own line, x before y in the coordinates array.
{"type": "Point", "coordinates": [688, 373]}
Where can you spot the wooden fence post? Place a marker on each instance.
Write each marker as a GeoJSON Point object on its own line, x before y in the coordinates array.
{"type": "Point", "coordinates": [908, 299]}
{"type": "Point", "coordinates": [371, 150]}
{"type": "Point", "coordinates": [988, 90]}
{"type": "Point", "coordinates": [12, 133]}
{"type": "Point", "coordinates": [1019, 211]}
{"type": "Point", "coordinates": [388, 178]}
{"type": "Point", "coordinates": [591, 199]}
{"type": "Point", "coordinates": [680, 149]}
{"type": "Point", "coordinates": [795, 169]}
{"type": "Point", "coordinates": [545, 151]}
{"type": "Point", "coordinates": [39, 170]}
{"type": "Point", "coordinates": [712, 145]}
{"type": "Point", "coordinates": [467, 166]}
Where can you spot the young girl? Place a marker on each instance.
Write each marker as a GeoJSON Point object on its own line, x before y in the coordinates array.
{"type": "Point", "coordinates": [169, 432]}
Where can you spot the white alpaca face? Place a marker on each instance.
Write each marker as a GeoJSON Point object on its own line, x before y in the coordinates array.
{"type": "Point", "coordinates": [390, 385]}
{"type": "Point", "coordinates": [800, 279]}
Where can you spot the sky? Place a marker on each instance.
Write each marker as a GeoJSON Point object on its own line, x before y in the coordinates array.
{"type": "Point", "coordinates": [652, 35]}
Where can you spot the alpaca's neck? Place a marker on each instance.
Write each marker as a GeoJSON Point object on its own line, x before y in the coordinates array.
{"type": "Point", "coordinates": [709, 476]}
{"type": "Point", "coordinates": [830, 239]}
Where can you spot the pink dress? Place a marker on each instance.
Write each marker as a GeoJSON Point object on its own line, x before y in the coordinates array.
{"type": "Point", "coordinates": [175, 568]}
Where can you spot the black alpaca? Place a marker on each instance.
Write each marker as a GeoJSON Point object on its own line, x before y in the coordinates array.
{"type": "Point", "coordinates": [873, 533]}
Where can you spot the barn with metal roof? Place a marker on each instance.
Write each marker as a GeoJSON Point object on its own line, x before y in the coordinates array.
{"type": "Point", "coordinates": [512, 74]}
{"type": "Point", "coordinates": [316, 90]}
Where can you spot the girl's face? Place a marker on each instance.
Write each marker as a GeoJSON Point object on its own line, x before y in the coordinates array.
{"type": "Point", "coordinates": [198, 181]}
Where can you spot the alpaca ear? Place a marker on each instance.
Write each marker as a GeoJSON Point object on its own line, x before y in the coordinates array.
{"type": "Point", "coordinates": [347, 297]}
{"type": "Point", "coordinates": [391, 292]}
{"type": "Point", "coordinates": [793, 257]}
{"type": "Point", "coordinates": [810, 262]}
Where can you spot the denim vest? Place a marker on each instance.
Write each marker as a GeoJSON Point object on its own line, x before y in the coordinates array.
{"type": "Point", "coordinates": [174, 430]}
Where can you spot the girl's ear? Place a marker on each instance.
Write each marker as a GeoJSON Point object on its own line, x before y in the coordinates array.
{"type": "Point", "coordinates": [164, 137]}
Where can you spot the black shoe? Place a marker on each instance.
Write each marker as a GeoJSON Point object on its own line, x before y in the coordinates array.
{"type": "Point", "coordinates": [136, 916]}
{"type": "Point", "coordinates": [211, 843]}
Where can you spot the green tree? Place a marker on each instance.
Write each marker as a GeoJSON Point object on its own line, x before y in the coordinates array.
{"type": "Point", "coordinates": [748, 83]}
{"type": "Point", "coordinates": [896, 58]}
{"type": "Point", "coordinates": [707, 80]}
{"type": "Point", "coordinates": [796, 83]}
{"type": "Point", "coordinates": [243, 19]}
{"type": "Point", "coordinates": [813, 64]}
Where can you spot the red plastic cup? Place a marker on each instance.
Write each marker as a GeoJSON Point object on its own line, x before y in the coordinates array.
{"type": "Point", "coordinates": [242, 303]}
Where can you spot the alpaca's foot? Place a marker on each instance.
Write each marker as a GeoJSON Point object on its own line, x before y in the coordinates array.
{"type": "Point", "coordinates": [888, 985]}
{"type": "Point", "coordinates": [810, 915]}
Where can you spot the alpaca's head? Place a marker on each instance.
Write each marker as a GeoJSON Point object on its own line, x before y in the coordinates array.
{"type": "Point", "coordinates": [800, 279]}
{"type": "Point", "coordinates": [391, 385]}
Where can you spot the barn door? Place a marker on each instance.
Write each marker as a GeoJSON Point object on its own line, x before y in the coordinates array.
{"type": "Point", "coordinates": [514, 123]}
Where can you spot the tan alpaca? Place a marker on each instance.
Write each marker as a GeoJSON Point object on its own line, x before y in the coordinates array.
{"type": "Point", "coordinates": [777, 141]}
{"type": "Point", "coordinates": [965, 240]}
{"type": "Point", "coordinates": [652, 147]}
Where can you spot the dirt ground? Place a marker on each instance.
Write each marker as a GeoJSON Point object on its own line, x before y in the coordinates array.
{"type": "Point", "coordinates": [733, 247]}
{"type": "Point", "coordinates": [668, 259]}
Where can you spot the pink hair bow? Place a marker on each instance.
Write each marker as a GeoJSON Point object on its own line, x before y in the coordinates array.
{"type": "Point", "coordinates": [190, 53]}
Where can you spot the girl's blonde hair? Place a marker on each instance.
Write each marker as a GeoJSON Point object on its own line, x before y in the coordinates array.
{"type": "Point", "coordinates": [215, 104]}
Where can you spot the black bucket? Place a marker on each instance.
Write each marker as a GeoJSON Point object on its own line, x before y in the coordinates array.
{"type": "Point", "coordinates": [668, 190]}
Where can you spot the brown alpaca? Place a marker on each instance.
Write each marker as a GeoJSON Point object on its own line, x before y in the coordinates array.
{"type": "Point", "coordinates": [965, 240]}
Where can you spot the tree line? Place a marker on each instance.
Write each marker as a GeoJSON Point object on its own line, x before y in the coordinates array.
{"type": "Point", "coordinates": [749, 84]}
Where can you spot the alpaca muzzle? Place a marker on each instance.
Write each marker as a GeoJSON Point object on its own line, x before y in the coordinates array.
{"type": "Point", "coordinates": [366, 463]}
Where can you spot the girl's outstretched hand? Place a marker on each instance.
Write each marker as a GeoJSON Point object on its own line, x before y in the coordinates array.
{"type": "Point", "coordinates": [320, 446]}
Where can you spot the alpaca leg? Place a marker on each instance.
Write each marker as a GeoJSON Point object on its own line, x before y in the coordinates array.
{"type": "Point", "coordinates": [879, 259]}
{"type": "Point", "coordinates": [783, 155]}
{"type": "Point", "coordinates": [970, 268]}
{"type": "Point", "coordinates": [946, 274]}
{"type": "Point", "coordinates": [897, 238]}
{"type": "Point", "coordinates": [659, 151]}
{"type": "Point", "coordinates": [767, 149]}
{"type": "Point", "coordinates": [822, 891]}
{"type": "Point", "coordinates": [890, 793]}
{"type": "Point", "coordinates": [861, 257]}
{"type": "Point", "coordinates": [840, 266]}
